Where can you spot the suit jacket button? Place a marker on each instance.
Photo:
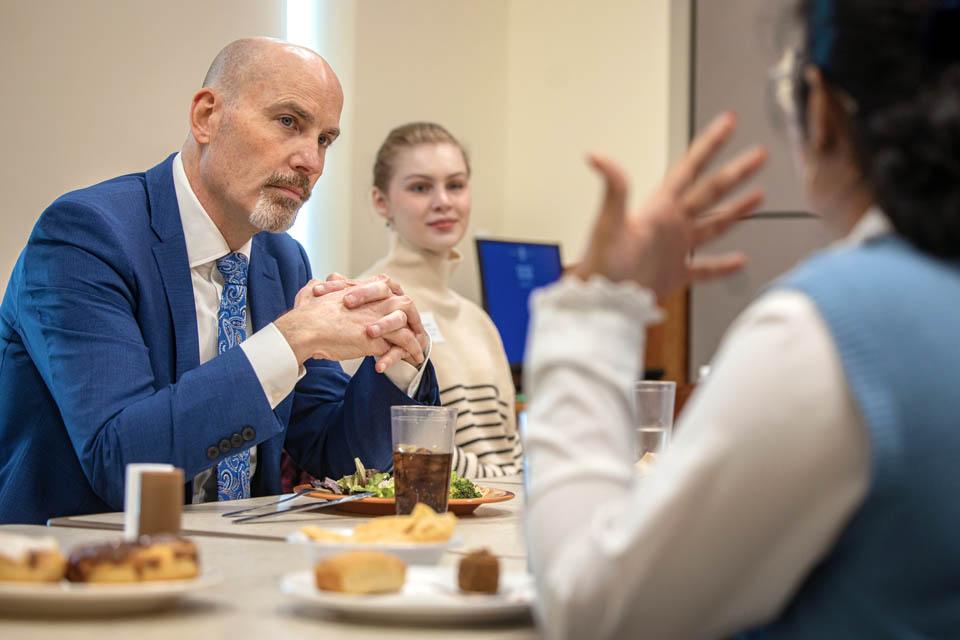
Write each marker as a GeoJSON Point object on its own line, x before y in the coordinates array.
{"type": "Point", "coordinates": [248, 434]}
{"type": "Point", "coordinates": [224, 445]}
{"type": "Point", "coordinates": [236, 440]}
{"type": "Point", "coordinates": [213, 453]}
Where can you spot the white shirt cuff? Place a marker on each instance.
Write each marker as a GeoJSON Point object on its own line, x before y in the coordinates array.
{"type": "Point", "coordinates": [406, 376]}
{"type": "Point", "coordinates": [274, 363]}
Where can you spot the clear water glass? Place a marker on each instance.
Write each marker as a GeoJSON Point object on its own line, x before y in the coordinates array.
{"type": "Point", "coordinates": [654, 418]}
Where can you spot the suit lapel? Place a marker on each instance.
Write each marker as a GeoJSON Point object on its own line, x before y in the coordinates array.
{"type": "Point", "coordinates": [266, 301]}
{"type": "Point", "coordinates": [171, 256]}
{"type": "Point", "coordinates": [264, 293]}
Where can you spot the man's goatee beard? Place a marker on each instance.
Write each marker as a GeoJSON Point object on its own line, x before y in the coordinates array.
{"type": "Point", "coordinates": [274, 214]}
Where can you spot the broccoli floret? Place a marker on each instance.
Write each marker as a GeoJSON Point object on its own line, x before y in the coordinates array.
{"type": "Point", "coordinates": [462, 488]}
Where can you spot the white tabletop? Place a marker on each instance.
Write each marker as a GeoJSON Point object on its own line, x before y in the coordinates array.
{"type": "Point", "coordinates": [246, 604]}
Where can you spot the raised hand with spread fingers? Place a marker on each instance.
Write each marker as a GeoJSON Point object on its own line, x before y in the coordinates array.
{"type": "Point", "coordinates": [652, 246]}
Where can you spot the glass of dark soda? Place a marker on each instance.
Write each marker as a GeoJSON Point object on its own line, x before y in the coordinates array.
{"type": "Point", "coordinates": [422, 455]}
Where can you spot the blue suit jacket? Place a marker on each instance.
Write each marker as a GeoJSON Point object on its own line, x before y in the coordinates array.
{"type": "Point", "coordinates": [99, 362]}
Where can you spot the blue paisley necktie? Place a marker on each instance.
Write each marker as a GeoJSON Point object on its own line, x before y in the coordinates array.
{"type": "Point", "coordinates": [233, 473]}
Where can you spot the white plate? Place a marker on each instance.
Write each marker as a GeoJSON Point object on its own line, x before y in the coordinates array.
{"type": "Point", "coordinates": [69, 598]}
{"type": "Point", "coordinates": [430, 594]}
{"type": "Point", "coordinates": [409, 552]}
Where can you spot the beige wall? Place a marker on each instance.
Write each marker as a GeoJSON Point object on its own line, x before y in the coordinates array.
{"type": "Point", "coordinates": [323, 225]}
{"type": "Point", "coordinates": [99, 88]}
{"type": "Point", "coordinates": [530, 86]}
{"type": "Point", "coordinates": [430, 60]}
{"type": "Point", "coordinates": [582, 77]}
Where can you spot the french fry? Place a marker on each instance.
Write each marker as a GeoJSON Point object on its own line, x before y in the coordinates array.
{"type": "Point", "coordinates": [421, 526]}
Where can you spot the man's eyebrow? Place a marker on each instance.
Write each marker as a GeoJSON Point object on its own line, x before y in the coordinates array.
{"type": "Point", "coordinates": [296, 109]}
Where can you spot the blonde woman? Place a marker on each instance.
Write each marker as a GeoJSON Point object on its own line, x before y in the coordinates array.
{"type": "Point", "coordinates": [421, 187]}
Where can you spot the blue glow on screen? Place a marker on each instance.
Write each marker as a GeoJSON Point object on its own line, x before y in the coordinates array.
{"type": "Point", "coordinates": [509, 273]}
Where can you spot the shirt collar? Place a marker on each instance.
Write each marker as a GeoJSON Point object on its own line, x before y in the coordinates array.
{"type": "Point", "coordinates": [872, 224]}
{"type": "Point", "coordinates": [204, 241]}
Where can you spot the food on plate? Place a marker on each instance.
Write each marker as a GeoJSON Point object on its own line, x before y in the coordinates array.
{"type": "Point", "coordinates": [479, 572]}
{"type": "Point", "coordinates": [24, 559]}
{"type": "Point", "coordinates": [319, 534]}
{"type": "Point", "coordinates": [423, 525]}
{"type": "Point", "coordinates": [462, 488]}
{"type": "Point", "coordinates": [360, 572]}
{"type": "Point", "coordinates": [148, 558]}
{"type": "Point", "coordinates": [380, 484]}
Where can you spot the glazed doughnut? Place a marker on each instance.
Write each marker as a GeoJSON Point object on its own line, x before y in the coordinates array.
{"type": "Point", "coordinates": [24, 559]}
{"type": "Point", "coordinates": [148, 558]}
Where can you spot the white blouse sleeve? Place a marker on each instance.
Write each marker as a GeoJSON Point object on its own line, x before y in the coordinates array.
{"type": "Point", "coordinates": [769, 463]}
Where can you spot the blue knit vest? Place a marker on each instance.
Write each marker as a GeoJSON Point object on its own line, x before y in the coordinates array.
{"type": "Point", "coordinates": [894, 572]}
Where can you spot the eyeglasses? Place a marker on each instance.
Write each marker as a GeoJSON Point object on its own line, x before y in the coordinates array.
{"type": "Point", "coordinates": [783, 82]}
{"type": "Point", "coordinates": [790, 91]}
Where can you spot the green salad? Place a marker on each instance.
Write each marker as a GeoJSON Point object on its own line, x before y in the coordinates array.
{"type": "Point", "coordinates": [380, 484]}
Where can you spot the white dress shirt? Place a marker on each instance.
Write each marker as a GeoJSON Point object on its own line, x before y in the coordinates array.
{"type": "Point", "coordinates": [271, 357]}
{"type": "Point", "coordinates": [770, 461]}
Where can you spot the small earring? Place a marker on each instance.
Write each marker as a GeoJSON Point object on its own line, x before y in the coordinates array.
{"type": "Point", "coordinates": [388, 224]}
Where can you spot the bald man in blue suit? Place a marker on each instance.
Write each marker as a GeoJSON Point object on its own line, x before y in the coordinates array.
{"type": "Point", "coordinates": [117, 323]}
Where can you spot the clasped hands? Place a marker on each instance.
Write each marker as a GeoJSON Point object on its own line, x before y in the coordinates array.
{"type": "Point", "coordinates": [341, 319]}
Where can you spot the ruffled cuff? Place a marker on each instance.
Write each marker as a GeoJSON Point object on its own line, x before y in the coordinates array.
{"type": "Point", "coordinates": [627, 298]}
{"type": "Point", "coordinates": [597, 326]}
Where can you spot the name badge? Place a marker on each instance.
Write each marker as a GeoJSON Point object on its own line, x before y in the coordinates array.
{"type": "Point", "coordinates": [431, 327]}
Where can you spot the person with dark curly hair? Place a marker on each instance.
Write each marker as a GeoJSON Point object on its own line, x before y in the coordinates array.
{"type": "Point", "coordinates": [810, 492]}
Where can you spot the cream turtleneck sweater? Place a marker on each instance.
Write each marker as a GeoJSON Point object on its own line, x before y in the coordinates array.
{"type": "Point", "coordinates": [469, 359]}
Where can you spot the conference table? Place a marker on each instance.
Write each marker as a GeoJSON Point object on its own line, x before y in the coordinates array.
{"type": "Point", "coordinates": [250, 560]}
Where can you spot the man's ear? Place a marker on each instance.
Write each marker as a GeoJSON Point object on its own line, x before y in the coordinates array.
{"type": "Point", "coordinates": [380, 204]}
{"type": "Point", "coordinates": [824, 114]}
{"type": "Point", "coordinates": [205, 111]}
